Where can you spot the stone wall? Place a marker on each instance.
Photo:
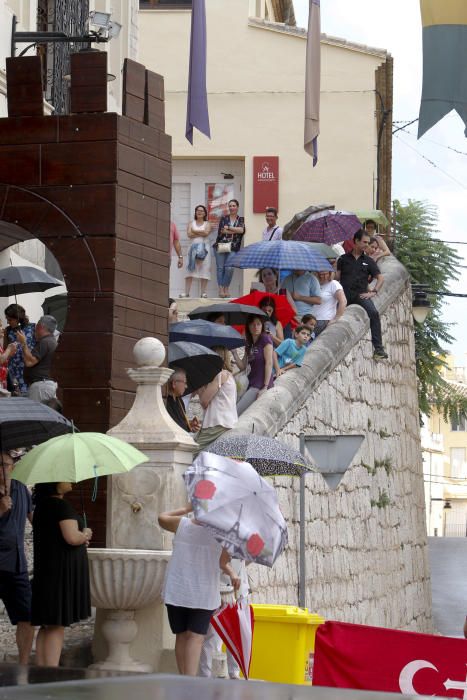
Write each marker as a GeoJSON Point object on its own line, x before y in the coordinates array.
{"type": "Point", "coordinates": [366, 550]}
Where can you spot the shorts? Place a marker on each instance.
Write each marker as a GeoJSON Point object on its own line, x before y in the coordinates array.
{"type": "Point", "coordinates": [15, 591]}
{"type": "Point", "coordinates": [188, 619]}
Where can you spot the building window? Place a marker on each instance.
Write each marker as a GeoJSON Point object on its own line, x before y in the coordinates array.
{"type": "Point", "coordinates": [459, 424]}
{"type": "Point", "coordinates": [458, 465]}
{"type": "Point", "coordinates": [165, 4]}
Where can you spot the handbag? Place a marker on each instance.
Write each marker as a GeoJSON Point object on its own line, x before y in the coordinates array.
{"type": "Point", "coordinates": [224, 247]}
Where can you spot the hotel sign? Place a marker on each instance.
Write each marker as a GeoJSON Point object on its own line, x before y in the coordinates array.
{"type": "Point", "coordinates": [265, 183]}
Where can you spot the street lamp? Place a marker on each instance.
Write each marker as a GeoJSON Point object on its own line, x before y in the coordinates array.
{"type": "Point", "coordinates": [106, 30]}
{"type": "Point", "coordinates": [421, 306]}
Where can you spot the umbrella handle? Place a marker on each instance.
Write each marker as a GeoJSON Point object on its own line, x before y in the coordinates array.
{"type": "Point", "coordinates": [96, 482]}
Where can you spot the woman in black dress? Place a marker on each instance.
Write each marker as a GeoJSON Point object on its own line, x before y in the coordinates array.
{"type": "Point", "coordinates": [60, 586]}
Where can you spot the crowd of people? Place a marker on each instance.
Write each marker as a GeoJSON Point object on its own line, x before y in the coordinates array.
{"type": "Point", "coordinates": [317, 299]}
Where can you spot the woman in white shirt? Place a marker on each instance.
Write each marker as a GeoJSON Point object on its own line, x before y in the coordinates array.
{"type": "Point", "coordinates": [333, 302]}
{"type": "Point", "coordinates": [198, 232]}
{"type": "Point", "coordinates": [219, 400]}
{"type": "Point", "coordinates": [191, 586]}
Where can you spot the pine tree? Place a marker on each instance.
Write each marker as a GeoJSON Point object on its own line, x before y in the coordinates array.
{"type": "Point", "coordinates": [434, 263]}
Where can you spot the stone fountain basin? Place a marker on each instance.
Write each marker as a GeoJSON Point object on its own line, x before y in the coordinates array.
{"type": "Point", "coordinates": [126, 579]}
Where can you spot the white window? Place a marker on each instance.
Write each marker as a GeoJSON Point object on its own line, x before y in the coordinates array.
{"type": "Point", "coordinates": [458, 465]}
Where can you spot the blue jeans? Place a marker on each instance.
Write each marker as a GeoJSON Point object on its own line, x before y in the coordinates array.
{"type": "Point", "coordinates": [224, 274]}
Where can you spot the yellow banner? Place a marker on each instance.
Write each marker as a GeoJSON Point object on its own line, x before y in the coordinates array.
{"type": "Point", "coordinates": [443, 12]}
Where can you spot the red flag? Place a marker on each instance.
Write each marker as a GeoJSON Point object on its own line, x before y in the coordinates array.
{"type": "Point", "coordinates": [374, 658]}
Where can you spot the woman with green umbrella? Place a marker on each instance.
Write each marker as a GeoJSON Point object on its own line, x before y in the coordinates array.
{"type": "Point", "coordinates": [60, 586]}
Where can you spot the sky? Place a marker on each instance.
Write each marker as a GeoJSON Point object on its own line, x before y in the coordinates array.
{"type": "Point", "coordinates": [396, 26]}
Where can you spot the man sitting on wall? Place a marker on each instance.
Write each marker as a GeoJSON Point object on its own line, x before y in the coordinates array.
{"type": "Point", "coordinates": [353, 271]}
{"type": "Point", "coordinates": [176, 387]}
{"type": "Point", "coordinates": [38, 361]}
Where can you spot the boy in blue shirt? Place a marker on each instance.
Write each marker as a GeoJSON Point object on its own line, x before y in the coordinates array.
{"type": "Point", "coordinates": [290, 352]}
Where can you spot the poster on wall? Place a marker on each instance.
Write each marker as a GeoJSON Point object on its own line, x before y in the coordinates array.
{"type": "Point", "coordinates": [217, 198]}
{"type": "Point", "coordinates": [265, 183]}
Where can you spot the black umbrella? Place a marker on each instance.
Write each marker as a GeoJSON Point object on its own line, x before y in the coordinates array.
{"type": "Point", "coordinates": [206, 333]}
{"type": "Point", "coordinates": [234, 314]}
{"type": "Point", "coordinates": [200, 363]}
{"type": "Point", "coordinates": [268, 456]}
{"type": "Point", "coordinates": [24, 422]}
{"type": "Point", "coordinates": [22, 280]}
{"type": "Point", "coordinates": [57, 306]}
{"type": "Point", "coordinates": [297, 220]}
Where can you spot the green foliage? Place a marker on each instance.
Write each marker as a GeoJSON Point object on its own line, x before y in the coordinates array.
{"type": "Point", "coordinates": [434, 263]}
{"type": "Point", "coordinates": [385, 463]}
{"type": "Point", "coordinates": [383, 500]}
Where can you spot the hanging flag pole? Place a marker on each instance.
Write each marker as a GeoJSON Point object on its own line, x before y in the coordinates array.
{"type": "Point", "coordinates": [444, 61]}
{"type": "Point", "coordinates": [313, 80]}
{"type": "Point", "coordinates": [197, 114]}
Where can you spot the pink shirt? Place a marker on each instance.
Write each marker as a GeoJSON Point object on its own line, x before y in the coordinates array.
{"type": "Point", "coordinates": [174, 236]}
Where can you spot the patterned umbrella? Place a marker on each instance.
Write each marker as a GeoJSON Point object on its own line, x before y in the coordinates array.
{"type": "Point", "coordinates": [268, 456]}
{"type": "Point", "coordinates": [238, 507]}
{"type": "Point", "coordinates": [328, 227]}
{"type": "Point", "coordinates": [298, 219]}
{"type": "Point", "coordinates": [280, 255]}
{"type": "Point", "coordinates": [206, 333]}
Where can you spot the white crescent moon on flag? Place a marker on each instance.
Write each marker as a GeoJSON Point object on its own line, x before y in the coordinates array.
{"type": "Point", "coordinates": [408, 673]}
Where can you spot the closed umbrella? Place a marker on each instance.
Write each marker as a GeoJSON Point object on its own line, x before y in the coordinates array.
{"type": "Point", "coordinates": [235, 314]}
{"type": "Point", "coordinates": [234, 623]}
{"type": "Point", "coordinates": [268, 456]}
{"type": "Point", "coordinates": [206, 333]}
{"type": "Point", "coordinates": [23, 279]}
{"type": "Point", "coordinates": [280, 255]}
{"type": "Point", "coordinates": [328, 227]}
{"type": "Point", "coordinates": [238, 507]}
{"type": "Point", "coordinates": [200, 363]}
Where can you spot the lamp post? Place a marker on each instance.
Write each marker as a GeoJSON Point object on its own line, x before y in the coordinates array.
{"type": "Point", "coordinates": [107, 30]}
{"type": "Point", "coordinates": [421, 306]}
{"type": "Point", "coordinates": [332, 455]}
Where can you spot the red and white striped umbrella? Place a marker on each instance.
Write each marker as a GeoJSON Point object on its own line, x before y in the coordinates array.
{"type": "Point", "coordinates": [234, 623]}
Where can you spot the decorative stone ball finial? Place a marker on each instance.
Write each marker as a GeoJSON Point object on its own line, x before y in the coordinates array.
{"type": "Point", "coordinates": [149, 352]}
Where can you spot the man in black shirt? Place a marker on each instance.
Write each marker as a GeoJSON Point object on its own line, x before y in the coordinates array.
{"type": "Point", "coordinates": [38, 361]}
{"type": "Point", "coordinates": [353, 272]}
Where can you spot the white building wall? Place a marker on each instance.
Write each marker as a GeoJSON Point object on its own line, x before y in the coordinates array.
{"type": "Point", "coordinates": [256, 104]}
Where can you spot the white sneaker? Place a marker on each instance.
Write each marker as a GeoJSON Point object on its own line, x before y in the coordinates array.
{"type": "Point", "coordinates": [183, 296]}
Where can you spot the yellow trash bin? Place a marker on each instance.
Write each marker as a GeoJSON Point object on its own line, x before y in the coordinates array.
{"type": "Point", "coordinates": [283, 643]}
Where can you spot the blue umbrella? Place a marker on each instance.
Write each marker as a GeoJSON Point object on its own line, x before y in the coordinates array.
{"type": "Point", "coordinates": [206, 333]}
{"type": "Point", "coordinates": [279, 255]}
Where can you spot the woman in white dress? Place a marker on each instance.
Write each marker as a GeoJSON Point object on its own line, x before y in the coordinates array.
{"type": "Point", "coordinates": [199, 253]}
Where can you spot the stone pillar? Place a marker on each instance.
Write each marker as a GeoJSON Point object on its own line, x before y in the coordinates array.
{"type": "Point", "coordinates": [135, 499]}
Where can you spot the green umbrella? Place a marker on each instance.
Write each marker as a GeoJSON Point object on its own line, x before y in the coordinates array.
{"type": "Point", "coordinates": [375, 215]}
{"type": "Point", "coordinates": [76, 457]}
{"type": "Point", "coordinates": [326, 251]}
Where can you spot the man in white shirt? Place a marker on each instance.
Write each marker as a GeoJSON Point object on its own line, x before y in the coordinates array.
{"type": "Point", "coordinates": [272, 232]}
